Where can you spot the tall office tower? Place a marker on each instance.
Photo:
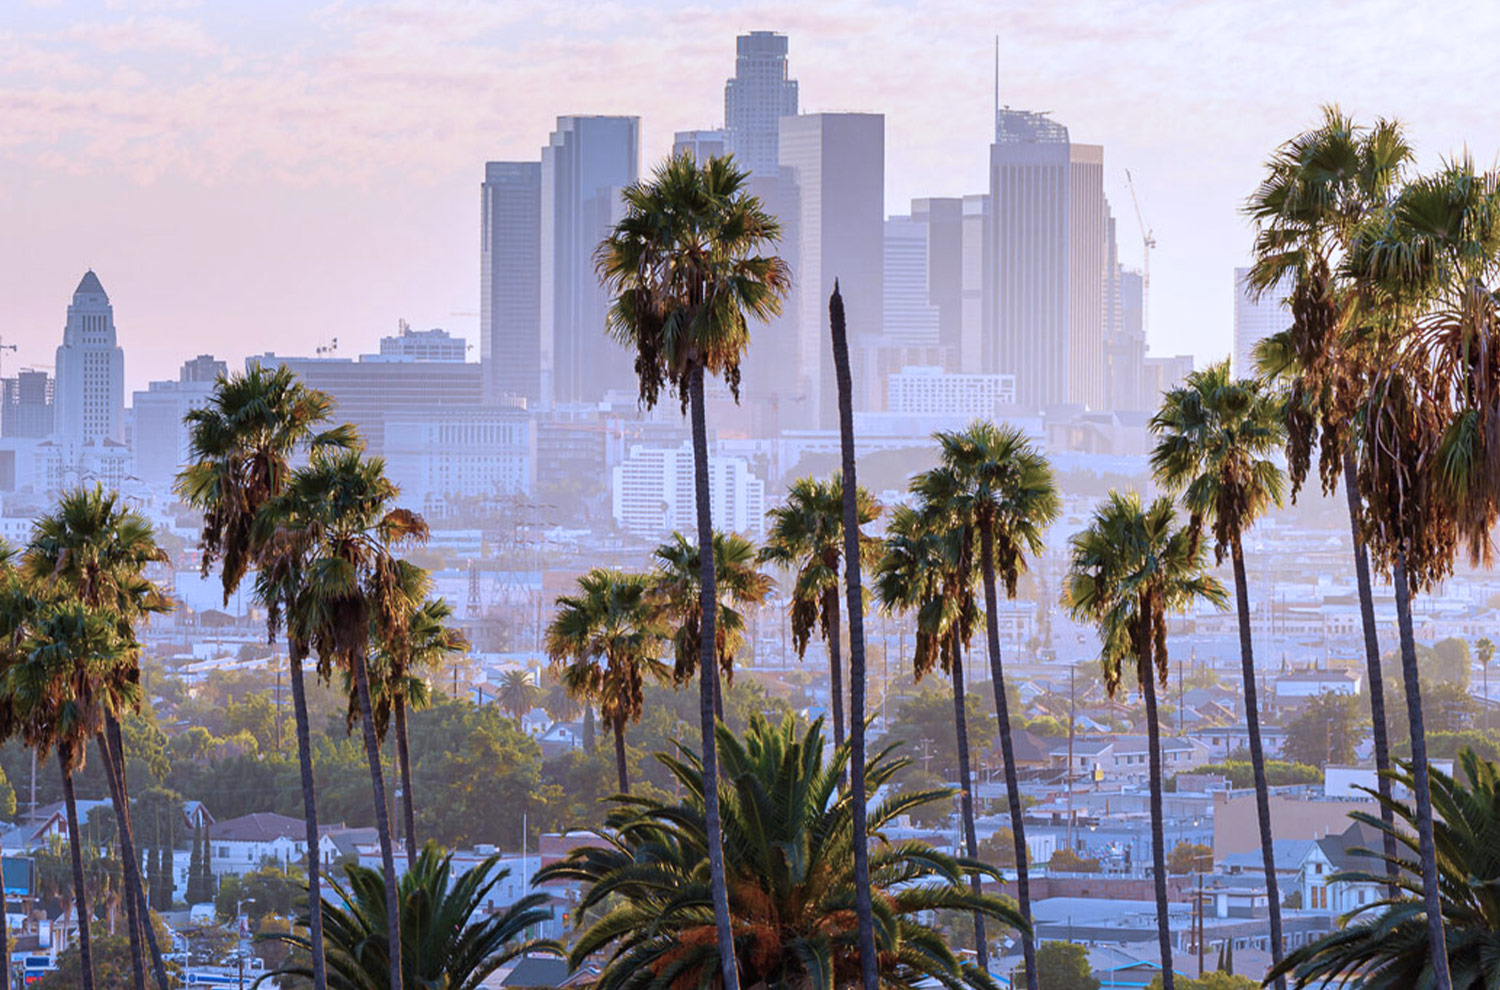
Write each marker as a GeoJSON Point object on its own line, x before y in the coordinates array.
{"type": "Point", "coordinates": [955, 273]}
{"type": "Point", "coordinates": [1126, 347]}
{"type": "Point", "coordinates": [585, 167]}
{"type": "Point", "coordinates": [28, 409]}
{"type": "Point", "coordinates": [1047, 261]}
{"type": "Point", "coordinates": [910, 316]}
{"type": "Point", "coordinates": [1256, 319]}
{"type": "Point", "coordinates": [835, 163]}
{"type": "Point", "coordinates": [756, 99]}
{"type": "Point", "coordinates": [510, 327]}
{"type": "Point", "coordinates": [203, 368]}
{"type": "Point", "coordinates": [700, 145]}
{"type": "Point", "coordinates": [161, 441]}
{"type": "Point", "coordinates": [90, 394]}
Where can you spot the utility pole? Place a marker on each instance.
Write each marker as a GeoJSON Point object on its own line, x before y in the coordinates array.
{"type": "Point", "coordinates": [1068, 777]}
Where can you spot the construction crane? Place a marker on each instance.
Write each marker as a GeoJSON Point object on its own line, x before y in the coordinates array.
{"type": "Point", "coordinates": [1148, 241]}
{"type": "Point", "coordinates": [7, 347]}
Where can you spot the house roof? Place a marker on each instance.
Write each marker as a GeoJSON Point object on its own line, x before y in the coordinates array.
{"type": "Point", "coordinates": [259, 826]}
{"type": "Point", "coordinates": [536, 972]}
{"type": "Point", "coordinates": [1289, 855]}
{"type": "Point", "coordinates": [1342, 849]}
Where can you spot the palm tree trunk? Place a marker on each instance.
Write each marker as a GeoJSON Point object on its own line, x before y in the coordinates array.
{"type": "Point", "coordinates": [708, 672]}
{"type": "Point", "coordinates": [966, 794]}
{"type": "Point", "coordinates": [310, 817]}
{"type": "Point", "coordinates": [1008, 750]}
{"type": "Point", "coordinates": [403, 762]}
{"type": "Point", "coordinates": [1373, 673]}
{"type": "Point", "coordinates": [1426, 848]}
{"type": "Point", "coordinates": [80, 891]}
{"type": "Point", "coordinates": [382, 822]}
{"type": "Point", "coordinates": [115, 766]}
{"type": "Point", "coordinates": [863, 909]}
{"type": "Point", "coordinates": [1158, 841]}
{"type": "Point", "coordinates": [718, 683]}
{"type": "Point", "coordinates": [620, 769]}
{"type": "Point", "coordinates": [1257, 754]}
{"type": "Point", "coordinates": [835, 663]}
{"type": "Point", "coordinates": [135, 907]}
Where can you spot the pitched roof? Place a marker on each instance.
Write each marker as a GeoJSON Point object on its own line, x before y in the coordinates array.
{"type": "Point", "coordinates": [1341, 849]}
{"type": "Point", "coordinates": [260, 826]}
{"type": "Point", "coordinates": [1289, 854]}
{"type": "Point", "coordinates": [537, 971]}
{"type": "Point", "coordinates": [89, 285]}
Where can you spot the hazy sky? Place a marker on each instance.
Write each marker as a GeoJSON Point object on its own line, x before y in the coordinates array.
{"type": "Point", "coordinates": [269, 175]}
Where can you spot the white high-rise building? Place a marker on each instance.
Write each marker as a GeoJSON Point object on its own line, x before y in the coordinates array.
{"type": "Point", "coordinates": [653, 493]}
{"type": "Point", "coordinates": [1256, 319]}
{"type": "Point", "coordinates": [929, 391]}
{"type": "Point", "coordinates": [510, 322]}
{"type": "Point", "coordinates": [756, 99]}
{"type": "Point", "coordinates": [835, 164]}
{"type": "Point", "coordinates": [910, 316]}
{"type": "Point", "coordinates": [90, 393]}
{"type": "Point", "coordinates": [161, 441]}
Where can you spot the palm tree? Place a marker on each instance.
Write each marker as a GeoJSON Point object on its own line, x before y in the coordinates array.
{"type": "Point", "coordinates": [928, 568]}
{"type": "Point", "coordinates": [1384, 945]}
{"type": "Point", "coordinates": [335, 566]}
{"type": "Point", "coordinates": [90, 547]}
{"type": "Point", "coordinates": [1429, 464]}
{"type": "Point", "coordinates": [1484, 651]}
{"type": "Point", "coordinates": [518, 693]}
{"type": "Point", "coordinates": [739, 585]}
{"type": "Point", "coordinates": [1216, 437]}
{"type": "Point", "coordinates": [806, 536]}
{"type": "Point", "coordinates": [604, 642]}
{"type": "Point", "coordinates": [646, 903]}
{"type": "Point", "coordinates": [451, 940]}
{"type": "Point", "coordinates": [1131, 568]}
{"type": "Point", "coordinates": [560, 704]}
{"type": "Point", "coordinates": [685, 268]}
{"type": "Point", "coordinates": [995, 482]}
{"type": "Point", "coordinates": [243, 442]}
{"type": "Point", "coordinates": [1318, 189]}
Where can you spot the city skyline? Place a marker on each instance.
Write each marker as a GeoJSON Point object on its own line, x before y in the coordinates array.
{"type": "Point", "coordinates": [326, 188]}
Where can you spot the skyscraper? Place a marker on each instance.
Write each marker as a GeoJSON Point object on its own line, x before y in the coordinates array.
{"type": "Point", "coordinates": [756, 99]}
{"type": "Point", "coordinates": [1047, 261]}
{"type": "Point", "coordinates": [27, 405]}
{"type": "Point", "coordinates": [835, 166]}
{"type": "Point", "coordinates": [585, 167]}
{"type": "Point", "coordinates": [1256, 319]}
{"type": "Point", "coordinates": [700, 145]}
{"type": "Point", "coordinates": [90, 391]}
{"type": "Point", "coordinates": [910, 316]}
{"type": "Point", "coordinates": [510, 330]}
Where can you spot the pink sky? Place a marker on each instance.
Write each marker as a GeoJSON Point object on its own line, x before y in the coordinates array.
{"type": "Point", "coordinates": [250, 176]}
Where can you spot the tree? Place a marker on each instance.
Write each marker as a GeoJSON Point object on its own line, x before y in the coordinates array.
{"type": "Point", "coordinates": [1217, 437]}
{"type": "Point", "coordinates": [560, 704]}
{"type": "Point", "coordinates": [1068, 861]}
{"type": "Point", "coordinates": [687, 276]}
{"type": "Point", "coordinates": [1065, 966]}
{"type": "Point", "coordinates": [1132, 567]}
{"type": "Point", "coordinates": [1189, 857]}
{"type": "Point", "coordinates": [604, 642]}
{"type": "Point", "coordinates": [739, 585]}
{"type": "Point", "coordinates": [453, 941]}
{"type": "Point", "coordinates": [645, 904]}
{"type": "Point", "coordinates": [995, 483]}
{"type": "Point", "coordinates": [518, 693]}
{"type": "Point", "coordinates": [1385, 944]}
{"type": "Point", "coordinates": [1318, 189]}
{"type": "Point", "coordinates": [806, 536]}
{"type": "Point", "coordinates": [242, 445]}
{"type": "Point", "coordinates": [928, 568]}
{"type": "Point", "coordinates": [338, 573]}
{"type": "Point", "coordinates": [1326, 729]}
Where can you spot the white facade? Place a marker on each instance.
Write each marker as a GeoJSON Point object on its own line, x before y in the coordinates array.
{"type": "Point", "coordinates": [1255, 320]}
{"type": "Point", "coordinates": [423, 345]}
{"type": "Point", "coordinates": [90, 392]}
{"type": "Point", "coordinates": [927, 391]}
{"type": "Point", "coordinates": [653, 493]}
{"type": "Point", "coordinates": [457, 452]}
{"type": "Point", "coordinates": [910, 317]}
{"type": "Point", "coordinates": [162, 441]}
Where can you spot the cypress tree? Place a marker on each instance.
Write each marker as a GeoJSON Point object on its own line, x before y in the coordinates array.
{"type": "Point", "coordinates": [168, 868]}
{"type": "Point", "coordinates": [210, 887]}
{"type": "Point", "coordinates": [195, 869]}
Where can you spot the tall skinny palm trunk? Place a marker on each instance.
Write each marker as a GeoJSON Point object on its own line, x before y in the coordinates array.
{"type": "Point", "coordinates": [1008, 749]}
{"type": "Point", "coordinates": [403, 765]}
{"type": "Point", "coordinates": [966, 794]}
{"type": "Point", "coordinates": [1373, 674]}
{"type": "Point", "coordinates": [620, 768]}
{"type": "Point", "coordinates": [115, 767]}
{"type": "Point", "coordinates": [310, 818]}
{"type": "Point", "coordinates": [863, 909]}
{"type": "Point", "coordinates": [132, 906]}
{"type": "Point", "coordinates": [382, 822]}
{"type": "Point", "coordinates": [1426, 848]}
{"type": "Point", "coordinates": [1158, 841]}
{"type": "Point", "coordinates": [708, 673]}
{"type": "Point", "coordinates": [835, 664]}
{"type": "Point", "coordinates": [80, 891]}
{"type": "Point", "coordinates": [1257, 753]}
